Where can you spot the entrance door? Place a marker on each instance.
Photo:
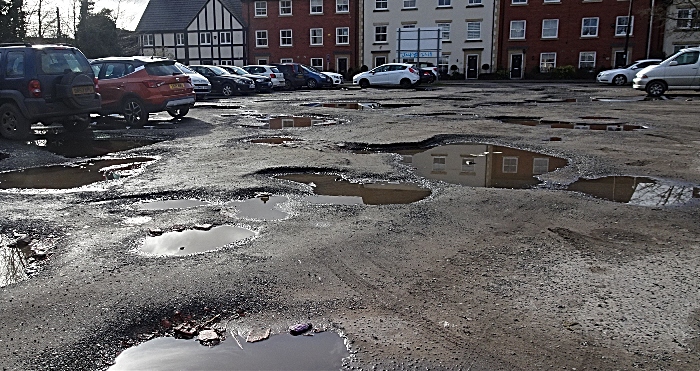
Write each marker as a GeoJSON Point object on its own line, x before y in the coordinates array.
{"type": "Point", "coordinates": [620, 59]}
{"type": "Point", "coordinates": [342, 65]}
{"type": "Point", "coordinates": [472, 66]}
{"type": "Point", "coordinates": [516, 66]}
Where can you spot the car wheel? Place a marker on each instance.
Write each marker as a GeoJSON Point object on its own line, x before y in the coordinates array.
{"type": "Point", "coordinates": [178, 112]}
{"type": "Point", "coordinates": [312, 84]}
{"type": "Point", "coordinates": [288, 84]}
{"type": "Point", "coordinates": [13, 124]}
{"type": "Point", "coordinates": [77, 125]}
{"type": "Point", "coordinates": [135, 113]}
{"type": "Point", "coordinates": [405, 83]}
{"type": "Point", "coordinates": [227, 90]}
{"type": "Point", "coordinates": [619, 80]}
{"type": "Point", "coordinates": [656, 88]}
{"type": "Point", "coordinates": [364, 84]}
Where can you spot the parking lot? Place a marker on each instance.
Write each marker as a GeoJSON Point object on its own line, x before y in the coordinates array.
{"type": "Point", "coordinates": [474, 226]}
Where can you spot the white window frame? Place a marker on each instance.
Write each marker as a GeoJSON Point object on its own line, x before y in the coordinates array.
{"type": "Point", "coordinates": [225, 38]}
{"type": "Point", "coordinates": [316, 36]}
{"type": "Point", "coordinates": [205, 38]}
{"type": "Point", "coordinates": [556, 29]}
{"type": "Point", "coordinates": [315, 6]}
{"type": "Point", "coordinates": [284, 38]}
{"type": "Point", "coordinates": [342, 36]}
{"type": "Point", "coordinates": [686, 19]}
{"type": "Point", "coordinates": [148, 39]}
{"type": "Point", "coordinates": [342, 6]}
{"type": "Point", "coordinates": [409, 4]}
{"type": "Point", "coordinates": [261, 61]}
{"type": "Point", "coordinates": [439, 163]}
{"type": "Point", "coordinates": [540, 165]}
{"type": "Point", "coordinates": [261, 8]}
{"type": "Point", "coordinates": [379, 58]}
{"type": "Point", "coordinates": [444, 31]}
{"type": "Point", "coordinates": [179, 39]}
{"type": "Point", "coordinates": [316, 65]}
{"type": "Point", "coordinates": [621, 26]}
{"type": "Point", "coordinates": [286, 60]}
{"type": "Point", "coordinates": [261, 35]}
{"type": "Point", "coordinates": [473, 34]}
{"type": "Point", "coordinates": [285, 7]}
{"type": "Point", "coordinates": [381, 4]}
{"type": "Point", "coordinates": [377, 35]}
{"type": "Point", "coordinates": [226, 62]}
{"type": "Point", "coordinates": [584, 27]}
{"type": "Point", "coordinates": [474, 2]}
{"type": "Point", "coordinates": [509, 165]}
{"type": "Point", "coordinates": [524, 28]}
{"type": "Point", "coordinates": [546, 62]}
{"type": "Point", "coordinates": [518, 2]}
{"type": "Point", "coordinates": [408, 25]}
{"type": "Point", "coordinates": [582, 60]}
{"type": "Point", "coordinates": [444, 4]}
{"type": "Point", "coordinates": [468, 164]}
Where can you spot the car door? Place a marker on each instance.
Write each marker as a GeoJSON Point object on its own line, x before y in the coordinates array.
{"type": "Point", "coordinates": [111, 82]}
{"type": "Point", "coordinates": [214, 80]}
{"type": "Point", "coordinates": [378, 76]}
{"type": "Point", "coordinates": [395, 73]}
{"type": "Point", "coordinates": [682, 71]}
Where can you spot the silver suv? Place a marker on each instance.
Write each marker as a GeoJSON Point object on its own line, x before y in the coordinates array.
{"type": "Point", "coordinates": [681, 71]}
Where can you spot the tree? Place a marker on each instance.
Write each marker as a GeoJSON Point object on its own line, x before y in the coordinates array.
{"type": "Point", "coordinates": [97, 35]}
{"type": "Point", "coordinates": [13, 24]}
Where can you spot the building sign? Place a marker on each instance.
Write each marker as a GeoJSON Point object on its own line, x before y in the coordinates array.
{"type": "Point", "coordinates": [418, 43]}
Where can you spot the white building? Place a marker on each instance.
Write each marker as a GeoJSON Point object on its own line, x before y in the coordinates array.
{"type": "Point", "coordinates": [682, 26]}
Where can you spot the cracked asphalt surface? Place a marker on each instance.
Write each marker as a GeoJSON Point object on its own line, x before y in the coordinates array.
{"type": "Point", "coordinates": [468, 278]}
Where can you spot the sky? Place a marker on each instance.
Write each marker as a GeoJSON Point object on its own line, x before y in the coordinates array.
{"type": "Point", "coordinates": [129, 11]}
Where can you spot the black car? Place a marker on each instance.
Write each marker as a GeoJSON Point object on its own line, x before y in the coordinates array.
{"type": "Point", "coordinates": [223, 82]}
{"type": "Point", "coordinates": [297, 75]}
{"type": "Point", "coordinates": [262, 83]}
{"type": "Point", "coordinates": [44, 83]}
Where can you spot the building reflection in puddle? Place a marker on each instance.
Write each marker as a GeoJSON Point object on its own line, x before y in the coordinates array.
{"type": "Point", "coordinates": [284, 122]}
{"type": "Point", "coordinates": [639, 191]}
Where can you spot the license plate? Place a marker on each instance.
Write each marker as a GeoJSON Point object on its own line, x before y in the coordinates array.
{"type": "Point", "coordinates": [177, 86]}
{"type": "Point", "coordinates": [88, 89]}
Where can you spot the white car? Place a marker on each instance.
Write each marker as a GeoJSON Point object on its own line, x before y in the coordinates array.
{"type": "Point", "coordinates": [624, 75]}
{"type": "Point", "coordinates": [335, 77]}
{"type": "Point", "coordinates": [402, 74]}
{"type": "Point", "coordinates": [272, 72]}
{"type": "Point", "coordinates": [202, 86]}
{"type": "Point", "coordinates": [679, 71]}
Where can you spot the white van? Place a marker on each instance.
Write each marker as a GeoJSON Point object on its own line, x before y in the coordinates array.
{"type": "Point", "coordinates": [680, 71]}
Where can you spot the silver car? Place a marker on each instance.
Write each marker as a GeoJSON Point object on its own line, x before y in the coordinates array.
{"type": "Point", "coordinates": [202, 86]}
{"type": "Point", "coordinates": [680, 71]}
{"type": "Point", "coordinates": [272, 72]}
{"type": "Point", "coordinates": [624, 75]}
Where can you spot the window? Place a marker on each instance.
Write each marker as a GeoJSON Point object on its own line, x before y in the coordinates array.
{"type": "Point", "coordinates": [586, 60]}
{"type": "Point", "coordinates": [378, 61]}
{"type": "Point", "coordinates": [317, 63]}
{"type": "Point", "coordinates": [621, 26]}
{"type": "Point", "coordinates": [550, 28]}
{"type": "Point", "coordinates": [342, 35]}
{"type": "Point", "coordinates": [180, 39]}
{"type": "Point", "coordinates": [261, 8]}
{"type": "Point", "coordinates": [285, 7]}
{"type": "Point", "coordinates": [468, 164]}
{"type": "Point", "coordinates": [316, 35]}
{"type": "Point", "coordinates": [15, 64]}
{"type": "Point", "coordinates": [444, 31]}
{"type": "Point", "coordinates": [409, 25]}
{"type": "Point", "coordinates": [439, 163]}
{"type": "Point", "coordinates": [148, 40]}
{"type": "Point", "coordinates": [380, 34]}
{"type": "Point", "coordinates": [410, 4]}
{"type": "Point", "coordinates": [316, 6]}
{"type": "Point", "coordinates": [285, 37]}
{"type": "Point", "coordinates": [381, 4]}
{"type": "Point", "coordinates": [286, 60]}
{"type": "Point", "coordinates": [687, 18]}
{"type": "Point", "coordinates": [474, 2]}
{"type": "Point", "coordinates": [687, 58]}
{"type": "Point", "coordinates": [540, 165]}
{"type": "Point", "coordinates": [589, 27]}
{"type": "Point", "coordinates": [518, 2]}
{"type": "Point", "coordinates": [547, 61]}
{"type": "Point", "coordinates": [261, 38]}
{"type": "Point", "coordinates": [226, 62]}
{"type": "Point", "coordinates": [262, 61]}
{"type": "Point", "coordinates": [473, 30]}
{"type": "Point", "coordinates": [225, 38]}
{"type": "Point", "coordinates": [342, 6]}
{"type": "Point", "coordinates": [205, 38]}
{"type": "Point", "coordinates": [517, 29]}
{"type": "Point", "coordinates": [510, 165]}
{"type": "Point", "coordinates": [445, 3]}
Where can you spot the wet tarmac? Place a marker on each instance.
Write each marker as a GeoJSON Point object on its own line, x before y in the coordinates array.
{"type": "Point", "coordinates": [13, 264]}
{"type": "Point", "coordinates": [91, 144]}
{"type": "Point", "coordinates": [3, 156]}
{"type": "Point", "coordinates": [289, 122]}
{"type": "Point", "coordinates": [640, 191]}
{"type": "Point", "coordinates": [170, 204]}
{"type": "Point", "coordinates": [322, 351]}
{"type": "Point", "coordinates": [194, 241]}
{"type": "Point", "coordinates": [260, 208]}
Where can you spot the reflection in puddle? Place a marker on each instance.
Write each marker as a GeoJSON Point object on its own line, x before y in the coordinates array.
{"type": "Point", "coordinates": [273, 140]}
{"type": "Point", "coordinates": [194, 241]}
{"type": "Point", "coordinates": [323, 351]}
{"type": "Point", "coordinates": [13, 263]}
{"type": "Point", "coordinates": [170, 204]}
{"type": "Point", "coordinates": [349, 105]}
{"type": "Point", "coordinates": [639, 191]}
{"type": "Point", "coordinates": [98, 144]}
{"type": "Point", "coordinates": [289, 122]}
{"type": "Point", "coordinates": [260, 208]}
{"type": "Point", "coordinates": [554, 124]}
{"type": "Point", "coordinates": [71, 176]}
{"type": "Point", "coordinates": [379, 193]}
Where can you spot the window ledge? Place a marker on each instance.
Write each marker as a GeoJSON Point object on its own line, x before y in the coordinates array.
{"type": "Point", "coordinates": [519, 4]}
{"type": "Point", "coordinates": [475, 5]}
{"type": "Point", "coordinates": [262, 47]}
{"type": "Point", "coordinates": [381, 10]}
{"type": "Point", "coordinates": [286, 46]}
{"type": "Point", "coordinates": [446, 41]}
{"type": "Point", "coordinates": [474, 41]}
{"type": "Point", "coordinates": [380, 43]}
{"type": "Point", "coordinates": [523, 39]}
{"type": "Point", "coordinates": [316, 46]}
{"type": "Point", "coordinates": [345, 44]}
{"type": "Point", "coordinates": [260, 16]}
{"type": "Point", "coordinates": [589, 37]}
{"type": "Point", "coordinates": [623, 36]}
{"type": "Point", "coordinates": [408, 9]}
{"type": "Point", "coordinates": [315, 13]}
{"type": "Point", "coordinates": [444, 7]}
{"type": "Point", "coordinates": [549, 38]}
{"type": "Point", "coordinates": [286, 15]}
{"type": "Point", "coordinates": [343, 12]}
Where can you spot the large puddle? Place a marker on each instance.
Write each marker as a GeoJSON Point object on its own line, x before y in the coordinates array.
{"type": "Point", "coordinates": [71, 176]}
{"type": "Point", "coordinates": [194, 241]}
{"type": "Point", "coordinates": [639, 191]}
{"type": "Point", "coordinates": [361, 105]}
{"type": "Point", "coordinates": [334, 190]}
{"type": "Point", "coordinates": [95, 145]}
{"type": "Point", "coordinates": [273, 140]}
{"type": "Point", "coordinates": [322, 351]}
{"type": "Point", "coordinates": [591, 123]}
{"type": "Point", "coordinates": [290, 122]}
{"type": "Point", "coordinates": [264, 207]}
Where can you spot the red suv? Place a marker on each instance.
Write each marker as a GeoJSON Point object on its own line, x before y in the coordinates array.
{"type": "Point", "coordinates": [137, 86]}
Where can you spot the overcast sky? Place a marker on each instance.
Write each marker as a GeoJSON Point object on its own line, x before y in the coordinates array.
{"type": "Point", "coordinates": [129, 11]}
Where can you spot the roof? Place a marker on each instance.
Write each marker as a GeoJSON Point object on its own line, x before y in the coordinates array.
{"type": "Point", "coordinates": [176, 15]}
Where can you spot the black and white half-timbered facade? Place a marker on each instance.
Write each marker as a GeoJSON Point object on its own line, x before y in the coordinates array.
{"type": "Point", "coordinates": [194, 31]}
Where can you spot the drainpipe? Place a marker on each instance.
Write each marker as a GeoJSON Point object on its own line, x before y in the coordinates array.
{"type": "Point", "coordinates": [651, 25]}
{"type": "Point", "coordinates": [627, 34]}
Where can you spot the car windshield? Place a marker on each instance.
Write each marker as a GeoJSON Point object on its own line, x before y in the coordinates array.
{"type": "Point", "coordinates": [313, 69]}
{"type": "Point", "coordinates": [57, 61]}
{"type": "Point", "coordinates": [218, 71]}
{"type": "Point", "coordinates": [184, 68]}
{"type": "Point", "coordinates": [307, 68]}
{"type": "Point", "coordinates": [238, 70]}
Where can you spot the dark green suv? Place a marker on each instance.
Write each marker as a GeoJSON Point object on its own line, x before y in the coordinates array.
{"type": "Point", "coordinates": [47, 84]}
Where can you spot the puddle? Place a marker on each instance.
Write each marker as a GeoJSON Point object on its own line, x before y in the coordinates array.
{"type": "Point", "coordinates": [323, 351]}
{"type": "Point", "coordinates": [194, 241]}
{"type": "Point", "coordinates": [273, 140]}
{"type": "Point", "coordinates": [288, 122]}
{"type": "Point", "coordinates": [260, 208]}
{"type": "Point", "coordinates": [13, 263]}
{"type": "Point", "coordinates": [349, 105]}
{"type": "Point", "coordinates": [170, 204]}
{"type": "Point", "coordinates": [639, 191]}
{"type": "Point", "coordinates": [97, 144]}
{"type": "Point", "coordinates": [554, 124]}
{"type": "Point", "coordinates": [71, 176]}
{"type": "Point", "coordinates": [375, 193]}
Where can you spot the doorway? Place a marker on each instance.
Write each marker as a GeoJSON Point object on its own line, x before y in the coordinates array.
{"type": "Point", "coordinates": [472, 66]}
{"type": "Point", "coordinates": [620, 59]}
{"type": "Point", "coordinates": [516, 66]}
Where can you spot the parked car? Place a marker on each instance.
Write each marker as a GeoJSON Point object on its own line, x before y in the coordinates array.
{"type": "Point", "coordinates": [680, 71]}
{"type": "Point", "coordinates": [428, 72]}
{"type": "Point", "coordinates": [402, 74]}
{"type": "Point", "coordinates": [222, 82]}
{"type": "Point", "coordinates": [44, 83]}
{"type": "Point", "coordinates": [272, 72]}
{"type": "Point", "coordinates": [297, 75]}
{"type": "Point", "coordinates": [137, 86]}
{"type": "Point", "coordinates": [336, 78]}
{"type": "Point", "coordinates": [624, 75]}
{"type": "Point", "coordinates": [262, 83]}
{"type": "Point", "coordinates": [202, 86]}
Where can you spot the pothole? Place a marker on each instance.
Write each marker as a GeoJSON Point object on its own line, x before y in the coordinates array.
{"type": "Point", "coordinates": [170, 204]}
{"type": "Point", "coordinates": [611, 125]}
{"type": "Point", "coordinates": [273, 140]}
{"type": "Point", "coordinates": [94, 145]}
{"type": "Point", "coordinates": [331, 189]}
{"type": "Point", "coordinates": [289, 122]}
{"type": "Point", "coordinates": [72, 175]}
{"type": "Point", "coordinates": [263, 207]}
{"type": "Point", "coordinates": [640, 191]}
{"type": "Point", "coordinates": [193, 241]}
{"type": "Point", "coordinates": [22, 258]}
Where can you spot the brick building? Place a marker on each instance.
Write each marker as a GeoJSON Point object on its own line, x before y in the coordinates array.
{"type": "Point", "coordinates": [539, 35]}
{"type": "Point", "coordinates": [320, 33]}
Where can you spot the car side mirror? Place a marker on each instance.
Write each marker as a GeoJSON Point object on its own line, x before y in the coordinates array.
{"type": "Point", "coordinates": [673, 63]}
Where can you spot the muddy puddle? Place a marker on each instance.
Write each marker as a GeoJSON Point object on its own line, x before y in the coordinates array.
{"type": "Point", "coordinates": [322, 351]}
{"type": "Point", "coordinates": [591, 123]}
{"type": "Point", "coordinates": [93, 144]}
{"type": "Point", "coordinates": [73, 175]}
{"type": "Point", "coordinates": [289, 122]}
{"type": "Point", "coordinates": [640, 191]}
{"type": "Point", "coordinates": [170, 204]}
{"type": "Point", "coordinates": [265, 207]}
{"type": "Point", "coordinates": [192, 241]}
{"type": "Point", "coordinates": [361, 105]}
{"type": "Point", "coordinates": [273, 140]}
{"type": "Point", "coordinates": [331, 189]}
